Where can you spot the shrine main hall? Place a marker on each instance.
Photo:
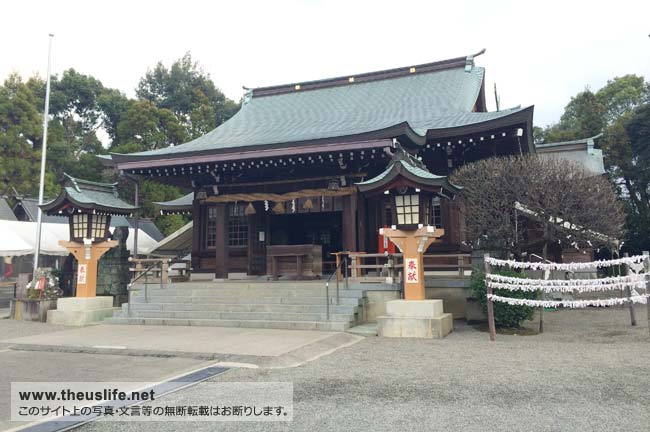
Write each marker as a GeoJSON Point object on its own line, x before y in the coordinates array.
{"type": "Point", "coordinates": [288, 175]}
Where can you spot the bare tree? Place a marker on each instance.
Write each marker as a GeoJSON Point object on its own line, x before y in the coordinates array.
{"type": "Point", "coordinates": [521, 204]}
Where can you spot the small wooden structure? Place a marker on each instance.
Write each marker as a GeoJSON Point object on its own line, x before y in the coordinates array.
{"type": "Point", "coordinates": [295, 261]}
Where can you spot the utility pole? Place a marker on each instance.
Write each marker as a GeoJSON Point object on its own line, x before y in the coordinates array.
{"type": "Point", "coordinates": [46, 115]}
{"type": "Point", "coordinates": [496, 97]}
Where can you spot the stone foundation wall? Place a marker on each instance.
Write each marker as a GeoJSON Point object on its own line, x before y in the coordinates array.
{"type": "Point", "coordinates": [454, 300]}
{"type": "Point", "coordinates": [375, 304]}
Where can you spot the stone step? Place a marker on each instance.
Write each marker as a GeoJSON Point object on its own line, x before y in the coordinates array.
{"type": "Point", "coordinates": [240, 307]}
{"type": "Point", "coordinates": [287, 325]}
{"type": "Point", "coordinates": [242, 285]}
{"type": "Point", "coordinates": [240, 316]}
{"type": "Point", "coordinates": [295, 300]}
{"type": "Point", "coordinates": [223, 292]}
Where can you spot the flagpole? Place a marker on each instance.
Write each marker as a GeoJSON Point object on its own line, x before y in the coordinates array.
{"type": "Point", "coordinates": [46, 114]}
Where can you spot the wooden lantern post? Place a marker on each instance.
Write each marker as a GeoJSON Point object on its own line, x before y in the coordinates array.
{"type": "Point", "coordinates": [87, 256]}
{"type": "Point", "coordinates": [89, 207]}
{"type": "Point", "coordinates": [413, 244]}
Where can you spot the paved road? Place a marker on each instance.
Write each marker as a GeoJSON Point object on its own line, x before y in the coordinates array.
{"type": "Point", "coordinates": [589, 371]}
{"type": "Point", "coordinates": [222, 340]}
{"type": "Point", "coordinates": [17, 366]}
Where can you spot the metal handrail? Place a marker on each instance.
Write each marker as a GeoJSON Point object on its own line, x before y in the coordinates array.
{"type": "Point", "coordinates": [146, 284]}
{"type": "Point", "coordinates": [327, 285]}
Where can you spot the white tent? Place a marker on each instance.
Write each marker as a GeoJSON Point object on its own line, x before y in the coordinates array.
{"type": "Point", "coordinates": [12, 244]}
{"type": "Point", "coordinates": [18, 238]}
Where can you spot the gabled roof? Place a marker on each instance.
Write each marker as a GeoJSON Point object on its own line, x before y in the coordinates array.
{"type": "Point", "coordinates": [87, 195]}
{"type": "Point", "coordinates": [581, 151]}
{"type": "Point", "coordinates": [407, 101]}
{"type": "Point", "coordinates": [177, 243]}
{"type": "Point", "coordinates": [407, 166]}
{"type": "Point", "coordinates": [5, 211]}
{"type": "Point", "coordinates": [27, 209]}
{"type": "Point", "coordinates": [178, 205]}
{"type": "Point", "coordinates": [567, 225]}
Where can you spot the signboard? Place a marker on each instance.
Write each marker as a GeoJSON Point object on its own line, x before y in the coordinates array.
{"type": "Point", "coordinates": [81, 274]}
{"type": "Point", "coordinates": [411, 270]}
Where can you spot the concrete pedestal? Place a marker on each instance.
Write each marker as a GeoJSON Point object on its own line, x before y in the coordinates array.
{"type": "Point", "coordinates": [415, 319]}
{"type": "Point", "coordinates": [81, 311]}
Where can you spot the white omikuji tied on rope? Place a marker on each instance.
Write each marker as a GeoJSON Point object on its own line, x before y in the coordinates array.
{"type": "Point", "coordinates": [631, 261]}
{"type": "Point", "coordinates": [632, 281]}
{"type": "Point", "coordinates": [573, 304]}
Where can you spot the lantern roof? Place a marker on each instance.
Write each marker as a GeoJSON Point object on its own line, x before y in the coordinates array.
{"type": "Point", "coordinates": [412, 171]}
{"type": "Point", "coordinates": [88, 196]}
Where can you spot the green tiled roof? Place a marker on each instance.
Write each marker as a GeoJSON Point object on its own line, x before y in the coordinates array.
{"type": "Point", "coordinates": [405, 165]}
{"type": "Point", "coordinates": [442, 96]}
{"type": "Point", "coordinates": [178, 205]}
{"type": "Point", "coordinates": [87, 195]}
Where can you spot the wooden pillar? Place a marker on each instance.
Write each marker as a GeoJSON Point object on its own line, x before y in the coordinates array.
{"type": "Point", "coordinates": [221, 250]}
{"type": "Point", "coordinates": [362, 228]}
{"type": "Point", "coordinates": [490, 305]}
{"type": "Point", "coordinates": [646, 269]}
{"type": "Point", "coordinates": [628, 293]}
{"type": "Point", "coordinates": [197, 221]}
{"type": "Point", "coordinates": [349, 216]}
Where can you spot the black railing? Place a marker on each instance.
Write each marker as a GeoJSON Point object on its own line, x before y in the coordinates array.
{"type": "Point", "coordinates": [160, 264]}
{"type": "Point", "coordinates": [341, 266]}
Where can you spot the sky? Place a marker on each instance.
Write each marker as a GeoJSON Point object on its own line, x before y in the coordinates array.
{"type": "Point", "coordinates": [538, 52]}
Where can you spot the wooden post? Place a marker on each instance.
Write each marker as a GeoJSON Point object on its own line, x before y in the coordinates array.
{"type": "Point", "coordinates": [197, 219]}
{"type": "Point", "coordinates": [298, 267]}
{"type": "Point", "coordinates": [628, 293]}
{"type": "Point", "coordinates": [274, 268]}
{"type": "Point", "coordinates": [221, 249]}
{"type": "Point", "coordinates": [338, 262]}
{"type": "Point", "coordinates": [646, 269]}
{"type": "Point", "coordinates": [490, 306]}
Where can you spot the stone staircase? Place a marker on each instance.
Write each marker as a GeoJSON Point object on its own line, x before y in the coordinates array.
{"type": "Point", "coordinates": [298, 305]}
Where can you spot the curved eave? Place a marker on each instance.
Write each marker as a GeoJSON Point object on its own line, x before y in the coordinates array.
{"type": "Point", "coordinates": [381, 137]}
{"type": "Point", "coordinates": [521, 117]}
{"type": "Point", "coordinates": [53, 207]}
{"type": "Point", "coordinates": [173, 209]}
{"type": "Point", "coordinates": [399, 130]}
{"type": "Point", "coordinates": [396, 171]}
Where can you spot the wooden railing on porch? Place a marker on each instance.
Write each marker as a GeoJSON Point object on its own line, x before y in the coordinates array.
{"type": "Point", "coordinates": [377, 267]}
{"type": "Point", "coordinates": [453, 263]}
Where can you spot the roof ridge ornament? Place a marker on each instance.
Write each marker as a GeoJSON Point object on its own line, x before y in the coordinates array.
{"type": "Point", "coordinates": [469, 60]}
{"type": "Point", "coordinates": [248, 95]}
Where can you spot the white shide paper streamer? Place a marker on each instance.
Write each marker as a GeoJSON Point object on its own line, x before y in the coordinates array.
{"type": "Point", "coordinates": [573, 304]}
{"type": "Point", "coordinates": [497, 281]}
{"type": "Point", "coordinates": [565, 266]}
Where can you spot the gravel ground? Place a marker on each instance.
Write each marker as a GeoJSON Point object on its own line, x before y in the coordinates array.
{"type": "Point", "coordinates": [588, 371]}
{"type": "Point", "coordinates": [10, 329]}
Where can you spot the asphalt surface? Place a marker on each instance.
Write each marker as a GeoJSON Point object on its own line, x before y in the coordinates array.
{"type": "Point", "coordinates": [17, 366]}
{"type": "Point", "coordinates": [588, 371]}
